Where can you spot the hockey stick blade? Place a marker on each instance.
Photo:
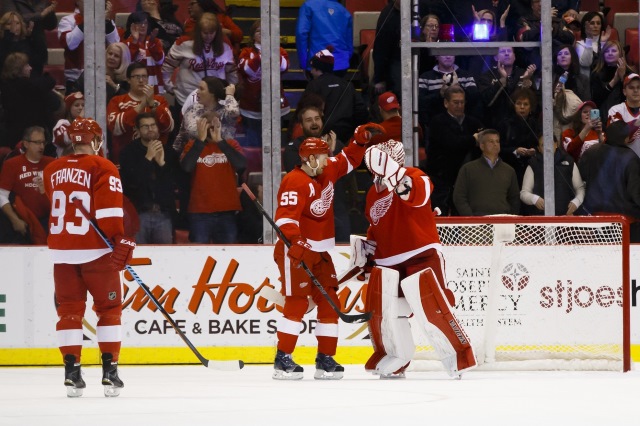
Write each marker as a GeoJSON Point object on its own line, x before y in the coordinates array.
{"type": "Point", "coordinates": [212, 364]}
{"type": "Point", "coordinates": [352, 319]}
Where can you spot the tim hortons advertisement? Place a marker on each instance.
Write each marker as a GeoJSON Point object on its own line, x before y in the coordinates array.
{"type": "Point", "coordinates": [212, 294]}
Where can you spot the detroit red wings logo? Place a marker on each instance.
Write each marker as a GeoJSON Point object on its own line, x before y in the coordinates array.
{"type": "Point", "coordinates": [380, 208]}
{"type": "Point", "coordinates": [320, 206]}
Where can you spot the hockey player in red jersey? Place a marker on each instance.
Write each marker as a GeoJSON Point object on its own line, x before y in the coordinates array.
{"type": "Point", "coordinates": [305, 216]}
{"type": "Point", "coordinates": [82, 262]}
{"type": "Point", "coordinates": [409, 274]}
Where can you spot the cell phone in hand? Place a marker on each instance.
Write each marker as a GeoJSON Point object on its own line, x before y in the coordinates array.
{"type": "Point", "coordinates": [594, 114]}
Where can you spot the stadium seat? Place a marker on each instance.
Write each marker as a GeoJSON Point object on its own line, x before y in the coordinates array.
{"type": "Point", "coordinates": [620, 6]}
{"type": "Point", "coordinates": [254, 159]}
{"type": "Point", "coordinates": [121, 19]}
{"type": "Point", "coordinates": [66, 6]}
{"type": "Point", "coordinates": [590, 5]}
{"type": "Point", "coordinates": [631, 35]}
{"type": "Point", "coordinates": [363, 21]}
{"type": "Point", "coordinates": [52, 40]}
{"type": "Point", "coordinates": [354, 6]}
{"type": "Point", "coordinates": [622, 21]}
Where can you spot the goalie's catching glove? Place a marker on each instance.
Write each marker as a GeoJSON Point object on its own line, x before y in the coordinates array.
{"type": "Point", "coordinates": [363, 133]}
{"type": "Point", "coordinates": [297, 250]}
{"type": "Point", "coordinates": [383, 166]}
{"type": "Point", "coordinates": [122, 252]}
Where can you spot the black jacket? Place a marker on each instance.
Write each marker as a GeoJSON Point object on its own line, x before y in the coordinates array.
{"type": "Point", "coordinates": [144, 182]}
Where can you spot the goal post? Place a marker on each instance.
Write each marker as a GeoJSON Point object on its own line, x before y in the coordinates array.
{"type": "Point", "coordinates": [538, 292]}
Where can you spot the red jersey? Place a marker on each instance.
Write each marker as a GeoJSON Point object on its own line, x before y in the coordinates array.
{"type": "Point", "coordinates": [305, 203]}
{"type": "Point", "coordinates": [402, 228]}
{"type": "Point", "coordinates": [214, 187]}
{"type": "Point", "coordinates": [96, 182]}
{"type": "Point", "coordinates": [17, 177]}
{"type": "Point", "coordinates": [121, 119]}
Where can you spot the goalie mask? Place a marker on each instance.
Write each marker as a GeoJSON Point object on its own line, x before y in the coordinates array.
{"type": "Point", "coordinates": [395, 150]}
{"type": "Point", "coordinates": [86, 131]}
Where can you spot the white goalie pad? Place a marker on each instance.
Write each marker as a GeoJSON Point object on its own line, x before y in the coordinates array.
{"type": "Point", "coordinates": [389, 327]}
{"type": "Point", "coordinates": [435, 315]}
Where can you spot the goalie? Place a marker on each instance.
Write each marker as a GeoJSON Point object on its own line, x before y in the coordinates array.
{"type": "Point", "coordinates": [409, 274]}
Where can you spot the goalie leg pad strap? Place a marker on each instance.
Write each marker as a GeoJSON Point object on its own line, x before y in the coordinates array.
{"type": "Point", "coordinates": [389, 327]}
{"type": "Point", "coordinates": [433, 312]}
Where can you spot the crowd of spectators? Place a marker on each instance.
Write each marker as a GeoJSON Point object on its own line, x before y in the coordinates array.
{"type": "Point", "coordinates": [184, 105]}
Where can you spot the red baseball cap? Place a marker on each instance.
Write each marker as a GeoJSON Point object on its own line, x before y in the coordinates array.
{"type": "Point", "coordinates": [629, 78]}
{"type": "Point", "coordinates": [388, 101]}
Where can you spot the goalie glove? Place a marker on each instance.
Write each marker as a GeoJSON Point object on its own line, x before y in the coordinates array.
{"type": "Point", "coordinates": [383, 166]}
{"type": "Point", "coordinates": [297, 250]}
{"type": "Point", "coordinates": [363, 133]}
{"type": "Point", "coordinates": [361, 249]}
{"type": "Point", "coordinates": [122, 252]}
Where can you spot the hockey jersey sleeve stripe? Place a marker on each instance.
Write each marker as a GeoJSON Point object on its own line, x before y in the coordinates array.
{"type": "Point", "coordinates": [69, 337]}
{"type": "Point", "coordinates": [427, 190]}
{"type": "Point", "coordinates": [286, 221]}
{"type": "Point", "coordinates": [109, 333]}
{"type": "Point", "coordinates": [111, 212]}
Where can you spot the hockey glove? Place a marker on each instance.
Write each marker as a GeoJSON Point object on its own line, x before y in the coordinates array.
{"type": "Point", "coordinates": [365, 132]}
{"type": "Point", "coordinates": [382, 165]}
{"type": "Point", "coordinates": [122, 252]}
{"type": "Point", "coordinates": [297, 250]}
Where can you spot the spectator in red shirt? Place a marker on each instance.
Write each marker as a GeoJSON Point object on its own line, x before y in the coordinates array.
{"type": "Point", "coordinates": [146, 49]}
{"type": "Point", "coordinates": [22, 176]}
{"type": "Point", "coordinates": [213, 208]}
{"type": "Point", "coordinates": [123, 109]}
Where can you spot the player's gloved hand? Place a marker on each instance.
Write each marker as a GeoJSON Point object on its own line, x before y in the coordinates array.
{"type": "Point", "coordinates": [365, 132]}
{"type": "Point", "coordinates": [382, 165]}
{"type": "Point", "coordinates": [122, 252]}
{"type": "Point", "coordinates": [297, 250]}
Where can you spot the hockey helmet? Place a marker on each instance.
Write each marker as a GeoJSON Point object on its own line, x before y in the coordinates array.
{"type": "Point", "coordinates": [315, 146]}
{"type": "Point", "coordinates": [84, 131]}
{"type": "Point", "coordinates": [394, 149]}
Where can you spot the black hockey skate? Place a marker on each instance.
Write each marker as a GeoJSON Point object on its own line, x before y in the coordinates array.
{"type": "Point", "coordinates": [73, 377]}
{"type": "Point", "coordinates": [110, 380]}
{"type": "Point", "coordinates": [284, 368]}
{"type": "Point", "coordinates": [327, 368]}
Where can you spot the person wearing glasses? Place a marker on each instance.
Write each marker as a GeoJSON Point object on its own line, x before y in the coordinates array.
{"type": "Point", "coordinates": [148, 172]}
{"type": "Point", "coordinates": [21, 176]}
{"type": "Point", "coordinates": [123, 109]}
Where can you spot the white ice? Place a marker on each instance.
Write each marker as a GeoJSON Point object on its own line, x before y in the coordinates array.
{"type": "Point", "coordinates": [194, 395]}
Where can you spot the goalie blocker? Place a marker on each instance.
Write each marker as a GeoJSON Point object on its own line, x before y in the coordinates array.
{"type": "Point", "coordinates": [389, 327]}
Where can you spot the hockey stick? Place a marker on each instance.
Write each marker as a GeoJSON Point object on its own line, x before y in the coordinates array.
{"type": "Point", "coordinates": [344, 317]}
{"type": "Point", "coordinates": [274, 296]}
{"type": "Point", "coordinates": [214, 365]}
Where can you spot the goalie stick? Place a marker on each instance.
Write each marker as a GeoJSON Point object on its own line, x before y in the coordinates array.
{"type": "Point", "coordinates": [344, 317]}
{"type": "Point", "coordinates": [232, 365]}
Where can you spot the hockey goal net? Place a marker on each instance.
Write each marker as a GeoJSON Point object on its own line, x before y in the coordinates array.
{"type": "Point", "coordinates": [538, 292]}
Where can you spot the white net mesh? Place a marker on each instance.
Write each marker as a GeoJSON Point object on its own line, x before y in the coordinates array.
{"type": "Point", "coordinates": [547, 295]}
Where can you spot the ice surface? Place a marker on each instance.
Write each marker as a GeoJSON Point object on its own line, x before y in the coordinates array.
{"type": "Point", "coordinates": [194, 395]}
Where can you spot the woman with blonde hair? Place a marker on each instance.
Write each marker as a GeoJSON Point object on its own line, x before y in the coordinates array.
{"type": "Point", "coordinates": [608, 75]}
{"type": "Point", "coordinates": [14, 35]}
{"type": "Point", "coordinates": [118, 58]}
{"type": "Point", "coordinates": [204, 55]}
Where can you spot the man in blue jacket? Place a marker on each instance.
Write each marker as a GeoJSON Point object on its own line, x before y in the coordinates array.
{"type": "Point", "coordinates": [323, 23]}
